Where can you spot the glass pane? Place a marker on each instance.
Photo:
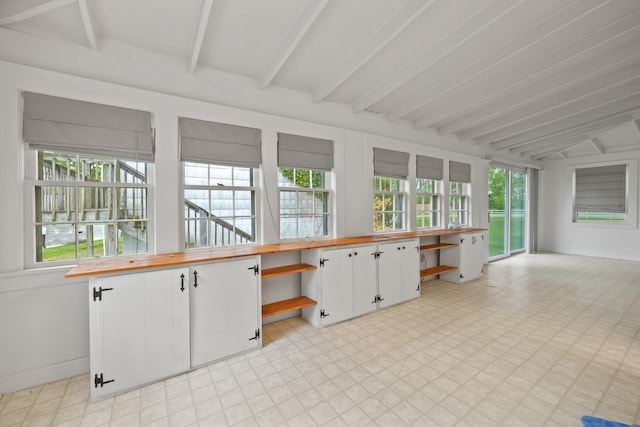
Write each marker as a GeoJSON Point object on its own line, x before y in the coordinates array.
{"type": "Point", "coordinates": [385, 184]}
{"type": "Point", "coordinates": [55, 204]}
{"type": "Point", "coordinates": [242, 177]}
{"type": "Point", "coordinates": [288, 227]}
{"type": "Point", "coordinates": [322, 203]}
{"type": "Point", "coordinates": [196, 174]}
{"type": "Point", "coordinates": [377, 183]}
{"type": "Point", "coordinates": [286, 177]}
{"type": "Point", "coordinates": [196, 203]}
{"type": "Point", "coordinates": [130, 172]}
{"type": "Point", "coordinates": [244, 203]}
{"type": "Point", "coordinates": [222, 203]}
{"type": "Point", "coordinates": [220, 175]}
{"type": "Point", "coordinates": [377, 222]}
{"type": "Point", "coordinates": [305, 202]}
{"type": "Point", "coordinates": [131, 237]}
{"type": "Point", "coordinates": [132, 203]}
{"type": "Point", "coordinates": [306, 226]}
{"type": "Point", "coordinates": [318, 179]}
{"type": "Point", "coordinates": [517, 226]}
{"type": "Point", "coordinates": [245, 229]}
{"type": "Point", "coordinates": [377, 202]}
{"type": "Point", "coordinates": [498, 224]}
{"type": "Point", "coordinates": [288, 202]}
{"type": "Point", "coordinates": [55, 242]}
{"type": "Point", "coordinates": [196, 233]}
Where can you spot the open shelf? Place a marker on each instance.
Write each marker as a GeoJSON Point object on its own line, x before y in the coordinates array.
{"type": "Point", "coordinates": [434, 271]}
{"type": "Point", "coordinates": [286, 305]}
{"type": "Point", "coordinates": [286, 269]}
{"type": "Point", "coordinates": [437, 246]}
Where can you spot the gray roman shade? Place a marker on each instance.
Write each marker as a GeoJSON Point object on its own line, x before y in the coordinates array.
{"type": "Point", "coordinates": [601, 189]}
{"type": "Point", "coordinates": [295, 151]}
{"type": "Point", "coordinates": [66, 125]}
{"type": "Point", "coordinates": [429, 167]}
{"type": "Point", "coordinates": [459, 172]}
{"type": "Point", "coordinates": [389, 163]}
{"type": "Point", "coordinates": [210, 142]}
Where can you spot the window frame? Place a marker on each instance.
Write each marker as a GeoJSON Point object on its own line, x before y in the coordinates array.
{"type": "Point", "coordinates": [209, 188]}
{"type": "Point", "coordinates": [31, 181]}
{"type": "Point", "coordinates": [465, 199]}
{"type": "Point", "coordinates": [401, 191]}
{"type": "Point", "coordinates": [326, 189]}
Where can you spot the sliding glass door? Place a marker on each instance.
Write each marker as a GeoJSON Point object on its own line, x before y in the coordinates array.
{"type": "Point", "coordinates": [507, 213]}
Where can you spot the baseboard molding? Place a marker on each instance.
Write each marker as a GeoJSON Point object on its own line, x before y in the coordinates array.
{"type": "Point", "coordinates": [44, 375]}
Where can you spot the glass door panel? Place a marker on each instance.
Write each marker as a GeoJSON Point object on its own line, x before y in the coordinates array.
{"type": "Point", "coordinates": [518, 200]}
{"type": "Point", "coordinates": [498, 227]}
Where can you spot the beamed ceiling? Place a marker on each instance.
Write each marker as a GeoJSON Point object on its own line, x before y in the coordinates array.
{"type": "Point", "coordinates": [538, 79]}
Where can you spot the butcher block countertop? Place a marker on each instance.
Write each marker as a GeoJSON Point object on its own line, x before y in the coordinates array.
{"type": "Point", "coordinates": [126, 263]}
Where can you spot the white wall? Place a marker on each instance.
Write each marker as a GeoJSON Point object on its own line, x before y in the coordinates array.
{"type": "Point", "coordinates": [44, 317]}
{"type": "Point", "coordinates": [557, 233]}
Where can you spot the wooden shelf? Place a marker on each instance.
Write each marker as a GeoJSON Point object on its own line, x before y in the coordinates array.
{"type": "Point", "coordinates": [286, 269]}
{"type": "Point", "coordinates": [437, 246]}
{"type": "Point", "coordinates": [286, 305]}
{"type": "Point", "coordinates": [434, 271]}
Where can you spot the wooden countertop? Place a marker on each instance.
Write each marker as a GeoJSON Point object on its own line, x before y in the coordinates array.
{"type": "Point", "coordinates": [121, 264]}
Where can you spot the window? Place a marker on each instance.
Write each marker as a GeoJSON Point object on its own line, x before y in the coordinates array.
{"type": "Point", "coordinates": [88, 206]}
{"type": "Point", "coordinates": [459, 203]}
{"type": "Point", "coordinates": [304, 202]}
{"type": "Point", "coordinates": [428, 205]}
{"type": "Point", "coordinates": [600, 194]}
{"type": "Point", "coordinates": [219, 205]}
{"type": "Point", "coordinates": [389, 210]}
{"type": "Point", "coordinates": [304, 183]}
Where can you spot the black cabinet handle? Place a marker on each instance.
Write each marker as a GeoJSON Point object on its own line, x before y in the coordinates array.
{"type": "Point", "coordinates": [182, 283]}
{"type": "Point", "coordinates": [195, 279]}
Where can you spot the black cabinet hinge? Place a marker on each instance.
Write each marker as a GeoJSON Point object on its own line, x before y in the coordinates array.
{"type": "Point", "coordinates": [256, 269]}
{"type": "Point", "coordinates": [99, 380]}
{"type": "Point", "coordinates": [376, 299]}
{"type": "Point", "coordinates": [97, 293]}
{"type": "Point", "coordinates": [256, 336]}
{"type": "Point", "coordinates": [322, 261]}
{"type": "Point", "coordinates": [323, 314]}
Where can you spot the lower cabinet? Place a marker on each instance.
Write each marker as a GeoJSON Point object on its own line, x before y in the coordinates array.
{"type": "Point", "coordinates": [139, 329]}
{"type": "Point", "coordinates": [225, 307]}
{"type": "Point", "coordinates": [468, 256]}
{"type": "Point", "coordinates": [398, 272]}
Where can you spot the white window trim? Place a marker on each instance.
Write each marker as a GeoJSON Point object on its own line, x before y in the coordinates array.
{"type": "Point", "coordinates": [439, 184]}
{"type": "Point", "coordinates": [467, 195]}
{"type": "Point", "coordinates": [631, 220]}
{"type": "Point", "coordinates": [402, 184]}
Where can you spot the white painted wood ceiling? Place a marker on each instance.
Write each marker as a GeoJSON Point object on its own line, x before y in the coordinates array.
{"type": "Point", "coordinates": [538, 78]}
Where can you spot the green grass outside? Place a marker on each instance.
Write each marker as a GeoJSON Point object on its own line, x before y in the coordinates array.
{"type": "Point", "coordinates": [68, 251]}
{"type": "Point", "coordinates": [496, 235]}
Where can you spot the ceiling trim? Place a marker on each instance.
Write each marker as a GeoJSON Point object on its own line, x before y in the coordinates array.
{"type": "Point", "coordinates": [596, 144]}
{"type": "Point", "coordinates": [35, 11]}
{"type": "Point", "coordinates": [87, 23]}
{"type": "Point", "coordinates": [205, 13]}
{"type": "Point", "coordinates": [300, 27]}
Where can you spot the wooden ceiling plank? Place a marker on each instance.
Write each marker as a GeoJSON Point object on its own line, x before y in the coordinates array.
{"type": "Point", "coordinates": [300, 27]}
{"type": "Point", "coordinates": [621, 100]}
{"type": "Point", "coordinates": [400, 20]}
{"type": "Point", "coordinates": [87, 23]}
{"type": "Point", "coordinates": [35, 11]}
{"type": "Point", "coordinates": [205, 13]}
{"type": "Point", "coordinates": [592, 92]}
{"type": "Point", "coordinates": [564, 79]}
{"type": "Point", "coordinates": [478, 22]}
{"type": "Point", "coordinates": [622, 34]}
{"type": "Point", "coordinates": [555, 19]}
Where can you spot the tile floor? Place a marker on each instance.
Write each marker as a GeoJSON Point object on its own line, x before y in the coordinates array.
{"type": "Point", "coordinates": [540, 340]}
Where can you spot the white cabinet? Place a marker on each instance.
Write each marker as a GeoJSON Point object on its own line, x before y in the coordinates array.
{"type": "Point", "coordinates": [139, 329]}
{"type": "Point", "coordinates": [398, 272]}
{"type": "Point", "coordinates": [364, 279]}
{"type": "Point", "coordinates": [468, 257]}
{"type": "Point", "coordinates": [225, 307]}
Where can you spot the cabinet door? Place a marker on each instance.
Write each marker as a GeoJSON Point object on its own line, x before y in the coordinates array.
{"type": "Point", "coordinates": [471, 256]}
{"type": "Point", "coordinates": [410, 270]}
{"type": "Point", "coordinates": [365, 287]}
{"type": "Point", "coordinates": [389, 273]}
{"type": "Point", "coordinates": [335, 287]}
{"type": "Point", "coordinates": [139, 329]}
{"type": "Point", "coordinates": [224, 309]}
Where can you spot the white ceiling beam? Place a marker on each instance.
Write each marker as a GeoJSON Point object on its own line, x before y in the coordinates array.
{"type": "Point", "coordinates": [597, 145]}
{"type": "Point", "coordinates": [614, 101]}
{"type": "Point", "coordinates": [609, 62]}
{"type": "Point", "coordinates": [538, 153]}
{"type": "Point", "coordinates": [587, 94]}
{"type": "Point", "coordinates": [35, 11]}
{"type": "Point", "coordinates": [622, 34]}
{"type": "Point", "coordinates": [451, 41]}
{"type": "Point", "coordinates": [400, 20]}
{"type": "Point", "coordinates": [580, 131]}
{"type": "Point", "coordinates": [547, 17]}
{"type": "Point", "coordinates": [637, 123]}
{"type": "Point", "coordinates": [568, 124]}
{"type": "Point", "coordinates": [87, 23]}
{"type": "Point", "coordinates": [300, 27]}
{"type": "Point", "coordinates": [205, 13]}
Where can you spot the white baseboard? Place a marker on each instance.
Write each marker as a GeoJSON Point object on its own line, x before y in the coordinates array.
{"type": "Point", "coordinates": [44, 375]}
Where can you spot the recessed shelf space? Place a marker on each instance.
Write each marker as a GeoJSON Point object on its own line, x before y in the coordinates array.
{"type": "Point", "coordinates": [437, 246]}
{"type": "Point", "coordinates": [434, 271]}
{"type": "Point", "coordinates": [286, 305]}
{"type": "Point", "coordinates": [286, 269]}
